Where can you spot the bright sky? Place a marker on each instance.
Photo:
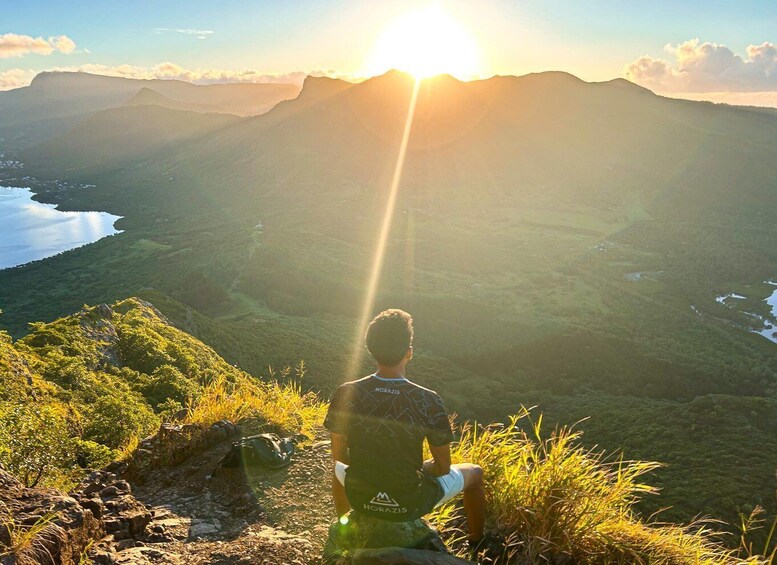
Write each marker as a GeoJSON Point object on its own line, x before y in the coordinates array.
{"type": "Point", "coordinates": [670, 46]}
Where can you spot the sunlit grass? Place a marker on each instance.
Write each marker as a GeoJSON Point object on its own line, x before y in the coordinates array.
{"type": "Point", "coordinates": [283, 406]}
{"type": "Point", "coordinates": [27, 542]}
{"type": "Point", "coordinates": [550, 497]}
{"type": "Point", "coordinates": [128, 448]}
{"type": "Point", "coordinates": [752, 523]}
{"type": "Point", "coordinates": [279, 406]}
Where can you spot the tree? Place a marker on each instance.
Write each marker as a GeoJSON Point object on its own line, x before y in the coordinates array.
{"type": "Point", "coordinates": [33, 441]}
{"type": "Point", "coordinates": [114, 420]}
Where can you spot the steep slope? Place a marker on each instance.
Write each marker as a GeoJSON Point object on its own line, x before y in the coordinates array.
{"type": "Point", "coordinates": [79, 390]}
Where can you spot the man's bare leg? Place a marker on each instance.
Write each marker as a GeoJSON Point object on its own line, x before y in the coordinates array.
{"type": "Point", "coordinates": [474, 499]}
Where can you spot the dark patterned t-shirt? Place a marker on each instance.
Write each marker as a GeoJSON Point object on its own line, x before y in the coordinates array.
{"type": "Point", "coordinates": [386, 421]}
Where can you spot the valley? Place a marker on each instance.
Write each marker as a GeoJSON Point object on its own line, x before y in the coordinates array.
{"type": "Point", "coordinates": [516, 245]}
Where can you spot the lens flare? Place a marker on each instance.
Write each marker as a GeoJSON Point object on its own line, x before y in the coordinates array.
{"type": "Point", "coordinates": [383, 235]}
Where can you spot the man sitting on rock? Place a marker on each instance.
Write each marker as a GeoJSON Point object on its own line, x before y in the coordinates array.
{"type": "Point", "coordinates": [378, 425]}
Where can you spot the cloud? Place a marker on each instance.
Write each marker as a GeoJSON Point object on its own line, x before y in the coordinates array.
{"type": "Point", "coordinates": [63, 44]}
{"type": "Point", "coordinates": [168, 70]}
{"type": "Point", "coordinates": [762, 98]}
{"type": "Point", "coordinates": [707, 67]}
{"type": "Point", "coordinates": [15, 45]}
{"type": "Point", "coordinates": [15, 78]}
{"type": "Point", "coordinates": [199, 33]}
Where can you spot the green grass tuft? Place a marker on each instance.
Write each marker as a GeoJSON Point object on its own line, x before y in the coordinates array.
{"type": "Point", "coordinates": [551, 498]}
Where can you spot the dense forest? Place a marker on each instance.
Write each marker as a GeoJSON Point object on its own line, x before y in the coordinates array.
{"type": "Point", "coordinates": [570, 263]}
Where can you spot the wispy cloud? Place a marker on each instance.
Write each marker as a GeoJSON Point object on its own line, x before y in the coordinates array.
{"type": "Point", "coordinates": [16, 78]}
{"type": "Point", "coordinates": [198, 33]}
{"type": "Point", "coordinates": [168, 70]}
{"type": "Point", "coordinates": [764, 99]}
{"type": "Point", "coordinates": [708, 67]}
{"type": "Point", "coordinates": [15, 45]}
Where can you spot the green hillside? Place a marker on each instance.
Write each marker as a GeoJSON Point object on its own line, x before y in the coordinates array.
{"type": "Point", "coordinates": [78, 392]}
{"type": "Point", "coordinates": [529, 209]}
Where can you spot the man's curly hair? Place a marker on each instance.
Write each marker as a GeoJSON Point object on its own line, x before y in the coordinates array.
{"type": "Point", "coordinates": [389, 336]}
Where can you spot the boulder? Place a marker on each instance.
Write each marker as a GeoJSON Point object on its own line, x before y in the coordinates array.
{"type": "Point", "coordinates": [66, 527]}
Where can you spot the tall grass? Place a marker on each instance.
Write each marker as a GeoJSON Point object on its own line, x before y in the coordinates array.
{"type": "Point", "coordinates": [551, 498]}
{"type": "Point", "coordinates": [27, 543]}
{"type": "Point", "coordinates": [280, 405]}
{"type": "Point", "coordinates": [752, 523]}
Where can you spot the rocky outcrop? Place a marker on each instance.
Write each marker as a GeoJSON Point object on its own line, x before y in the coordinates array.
{"type": "Point", "coordinates": [59, 528]}
{"type": "Point", "coordinates": [173, 444]}
{"type": "Point", "coordinates": [110, 498]}
{"type": "Point", "coordinates": [101, 514]}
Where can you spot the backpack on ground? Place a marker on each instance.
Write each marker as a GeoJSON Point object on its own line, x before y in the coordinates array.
{"type": "Point", "coordinates": [267, 450]}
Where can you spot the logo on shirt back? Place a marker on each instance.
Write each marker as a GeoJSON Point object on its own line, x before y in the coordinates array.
{"type": "Point", "coordinates": [386, 390]}
{"type": "Point", "coordinates": [383, 499]}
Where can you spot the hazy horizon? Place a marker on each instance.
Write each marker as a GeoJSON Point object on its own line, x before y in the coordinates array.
{"type": "Point", "coordinates": [720, 53]}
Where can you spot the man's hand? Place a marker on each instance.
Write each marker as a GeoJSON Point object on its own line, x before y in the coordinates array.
{"type": "Point", "coordinates": [440, 463]}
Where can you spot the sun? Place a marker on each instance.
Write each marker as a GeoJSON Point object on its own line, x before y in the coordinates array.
{"type": "Point", "coordinates": [425, 42]}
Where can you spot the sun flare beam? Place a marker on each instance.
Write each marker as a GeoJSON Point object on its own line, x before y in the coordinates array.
{"type": "Point", "coordinates": [383, 235]}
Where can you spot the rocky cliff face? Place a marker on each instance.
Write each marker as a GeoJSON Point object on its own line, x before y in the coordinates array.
{"type": "Point", "coordinates": [63, 527]}
{"type": "Point", "coordinates": [101, 518]}
{"type": "Point", "coordinates": [155, 509]}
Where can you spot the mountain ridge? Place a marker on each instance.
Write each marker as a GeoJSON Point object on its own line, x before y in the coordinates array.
{"type": "Point", "coordinates": [557, 245]}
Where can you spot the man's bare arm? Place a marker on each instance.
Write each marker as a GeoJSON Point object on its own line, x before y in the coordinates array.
{"type": "Point", "coordinates": [340, 453]}
{"type": "Point", "coordinates": [340, 448]}
{"type": "Point", "coordinates": [440, 463]}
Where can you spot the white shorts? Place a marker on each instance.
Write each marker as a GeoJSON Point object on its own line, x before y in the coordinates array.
{"type": "Point", "coordinates": [452, 483]}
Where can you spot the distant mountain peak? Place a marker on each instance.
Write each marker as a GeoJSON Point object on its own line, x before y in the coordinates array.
{"type": "Point", "coordinates": [623, 83]}
{"type": "Point", "coordinates": [148, 96]}
{"type": "Point", "coordinates": [318, 87]}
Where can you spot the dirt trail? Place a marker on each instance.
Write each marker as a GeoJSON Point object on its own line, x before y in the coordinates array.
{"type": "Point", "coordinates": [238, 516]}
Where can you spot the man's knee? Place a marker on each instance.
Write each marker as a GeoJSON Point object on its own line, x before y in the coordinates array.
{"type": "Point", "coordinates": [473, 475]}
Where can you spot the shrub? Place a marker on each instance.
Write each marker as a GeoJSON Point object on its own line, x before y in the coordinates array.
{"type": "Point", "coordinates": [167, 382]}
{"type": "Point", "coordinates": [114, 421]}
{"type": "Point", "coordinates": [33, 441]}
{"type": "Point", "coordinates": [143, 349]}
{"type": "Point", "coordinates": [92, 455]}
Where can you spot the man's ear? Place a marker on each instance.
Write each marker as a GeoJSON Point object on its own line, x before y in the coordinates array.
{"type": "Point", "coordinates": [409, 354]}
